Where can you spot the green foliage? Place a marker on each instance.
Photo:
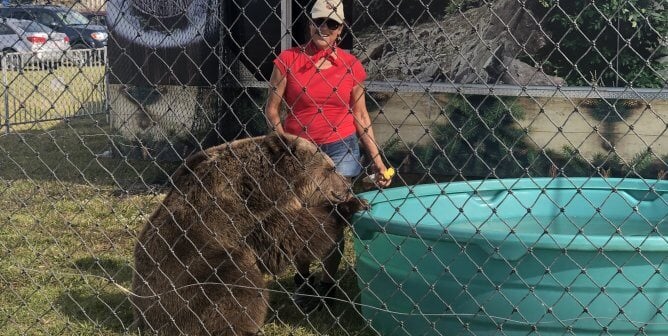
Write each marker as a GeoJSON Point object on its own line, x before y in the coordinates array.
{"type": "Point", "coordinates": [612, 111]}
{"type": "Point", "coordinates": [605, 43]}
{"type": "Point", "coordinates": [644, 165]}
{"type": "Point", "coordinates": [480, 132]}
{"type": "Point", "coordinates": [480, 138]}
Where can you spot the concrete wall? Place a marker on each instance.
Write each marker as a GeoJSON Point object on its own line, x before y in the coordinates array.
{"type": "Point", "coordinates": [412, 113]}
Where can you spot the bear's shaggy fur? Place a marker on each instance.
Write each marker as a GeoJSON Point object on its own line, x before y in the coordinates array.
{"type": "Point", "coordinates": [237, 211]}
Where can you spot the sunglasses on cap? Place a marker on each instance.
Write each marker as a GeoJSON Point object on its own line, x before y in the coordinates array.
{"type": "Point", "coordinates": [331, 24]}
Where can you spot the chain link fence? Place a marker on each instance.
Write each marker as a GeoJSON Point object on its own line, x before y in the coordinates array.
{"type": "Point", "coordinates": [53, 86]}
{"type": "Point", "coordinates": [140, 194]}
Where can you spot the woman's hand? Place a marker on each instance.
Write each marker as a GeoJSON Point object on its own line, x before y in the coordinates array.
{"type": "Point", "coordinates": [383, 179]}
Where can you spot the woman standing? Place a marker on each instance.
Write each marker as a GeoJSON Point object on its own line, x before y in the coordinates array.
{"type": "Point", "coordinates": [322, 87]}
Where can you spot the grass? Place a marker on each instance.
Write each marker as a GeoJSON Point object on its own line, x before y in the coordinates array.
{"type": "Point", "coordinates": [51, 94]}
{"type": "Point", "coordinates": [67, 229]}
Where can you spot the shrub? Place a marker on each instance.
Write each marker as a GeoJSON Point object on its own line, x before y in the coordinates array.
{"type": "Point", "coordinates": [605, 43]}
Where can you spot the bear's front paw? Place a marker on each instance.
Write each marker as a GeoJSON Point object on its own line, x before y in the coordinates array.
{"type": "Point", "coordinates": [362, 204]}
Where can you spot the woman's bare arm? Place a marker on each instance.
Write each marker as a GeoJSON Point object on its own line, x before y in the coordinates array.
{"type": "Point", "coordinates": [272, 110]}
{"type": "Point", "coordinates": [365, 133]}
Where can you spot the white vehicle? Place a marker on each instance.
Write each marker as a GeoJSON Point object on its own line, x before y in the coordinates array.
{"type": "Point", "coordinates": [35, 42]}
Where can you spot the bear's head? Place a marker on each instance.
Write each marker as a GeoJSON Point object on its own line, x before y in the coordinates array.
{"type": "Point", "coordinates": [307, 171]}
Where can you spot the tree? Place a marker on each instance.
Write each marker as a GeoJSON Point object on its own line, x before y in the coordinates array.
{"type": "Point", "coordinates": [605, 43]}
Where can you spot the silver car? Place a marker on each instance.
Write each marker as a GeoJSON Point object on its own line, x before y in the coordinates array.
{"type": "Point", "coordinates": [31, 41]}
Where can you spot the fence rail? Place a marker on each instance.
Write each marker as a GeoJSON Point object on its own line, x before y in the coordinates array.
{"type": "Point", "coordinates": [505, 90]}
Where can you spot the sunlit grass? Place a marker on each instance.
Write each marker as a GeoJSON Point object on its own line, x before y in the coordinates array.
{"type": "Point", "coordinates": [51, 94]}
{"type": "Point", "coordinates": [68, 226]}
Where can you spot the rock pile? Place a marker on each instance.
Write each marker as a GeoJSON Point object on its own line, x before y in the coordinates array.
{"type": "Point", "coordinates": [480, 45]}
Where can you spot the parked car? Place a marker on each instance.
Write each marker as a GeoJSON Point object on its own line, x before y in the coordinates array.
{"type": "Point", "coordinates": [38, 42]}
{"type": "Point", "coordinates": [96, 17]}
{"type": "Point", "coordinates": [78, 28]}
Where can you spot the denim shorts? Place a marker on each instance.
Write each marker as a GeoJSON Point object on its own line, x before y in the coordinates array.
{"type": "Point", "coordinates": [346, 155]}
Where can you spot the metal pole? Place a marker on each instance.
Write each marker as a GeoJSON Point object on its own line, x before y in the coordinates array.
{"type": "Point", "coordinates": [286, 24]}
{"type": "Point", "coordinates": [107, 109]}
{"type": "Point", "coordinates": [4, 81]}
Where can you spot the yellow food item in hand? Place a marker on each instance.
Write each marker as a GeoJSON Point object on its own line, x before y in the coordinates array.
{"type": "Point", "coordinates": [388, 173]}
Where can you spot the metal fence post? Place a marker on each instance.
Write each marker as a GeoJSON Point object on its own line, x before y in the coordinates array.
{"type": "Point", "coordinates": [6, 93]}
{"type": "Point", "coordinates": [107, 106]}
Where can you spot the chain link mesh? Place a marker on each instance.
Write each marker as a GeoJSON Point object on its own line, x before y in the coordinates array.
{"type": "Point", "coordinates": [529, 139]}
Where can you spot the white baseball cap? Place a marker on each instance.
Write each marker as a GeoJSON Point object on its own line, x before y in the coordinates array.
{"type": "Point", "coordinates": [331, 9]}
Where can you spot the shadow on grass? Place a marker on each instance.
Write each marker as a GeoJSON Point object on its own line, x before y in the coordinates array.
{"type": "Point", "coordinates": [97, 302]}
{"type": "Point", "coordinates": [99, 305]}
{"type": "Point", "coordinates": [77, 151]}
{"type": "Point", "coordinates": [117, 269]}
{"type": "Point", "coordinates": [343, 318]}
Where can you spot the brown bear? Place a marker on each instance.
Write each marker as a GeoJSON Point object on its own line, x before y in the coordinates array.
{"type": "Point", "coordinates": [236, 212]}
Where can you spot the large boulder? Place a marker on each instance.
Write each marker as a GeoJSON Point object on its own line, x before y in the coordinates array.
{"type": "Point", "coordinates": [395, 12]}
{"type": "Point", "coordinates": [480, 45]}
{"type": "Point", "coordinates": [516, 72]}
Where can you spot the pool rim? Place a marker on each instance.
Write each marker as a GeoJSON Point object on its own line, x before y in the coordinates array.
{"type": "Point", "coordinates": [517, 244]}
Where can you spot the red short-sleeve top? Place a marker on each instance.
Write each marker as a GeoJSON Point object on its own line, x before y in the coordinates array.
{"type": "Point", "coordinates": [319, 101]}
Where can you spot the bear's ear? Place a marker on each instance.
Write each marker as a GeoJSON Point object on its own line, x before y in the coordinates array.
{"type": "Point", "coordinates": [280, 145]}
{"type": "Point", "coordinates": [188, 167]}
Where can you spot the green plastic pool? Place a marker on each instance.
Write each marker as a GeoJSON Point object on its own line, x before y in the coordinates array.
{"type": "Point", "coordinates": [547, 256]}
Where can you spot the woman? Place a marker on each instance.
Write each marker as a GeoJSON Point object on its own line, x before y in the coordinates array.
{"type": "Point", "coordinates": [322, 86]}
